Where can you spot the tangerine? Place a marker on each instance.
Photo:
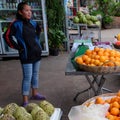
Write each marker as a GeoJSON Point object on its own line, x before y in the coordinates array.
{"type": "Point", "coordinates": [88, 60]}
{"type": "Point", "coordinates": [88, 52]}
{"type": "Point", "coordinates": [84, 57]}
{"type": "Point", "coordinates": [102, 49]}
{"type": "Point", "coordinates": [97, 62]}
{"type": "Point", "coordinates": [97, 57]}
{"type": "Point", "coordinates": [100, 53]}
{"type": "Point", "coordinates": [110, 117]}
{"type": "Point", "coordinates": [118, 93]}
{"type": "Point", "coordinates": [114, 111]}
{"type": "Point", "coordinates": [99, 100]}
{"type": "Point", "coordinates": [102, 59]}
{"type": "Point", "coordinates": [115, 104]}
{"type": "Point", "coordinates": [117, 118]}
{"type": "Point", "coordinates": [108, 101]}
{"type": "Point", "coordinates": [96, 49]}
{"type": "Point", "coordinates": [79, 60]}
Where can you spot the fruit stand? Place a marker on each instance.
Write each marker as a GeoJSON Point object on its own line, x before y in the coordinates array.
{"type": "Point", "coordinates": [86, 27]}
{"type": "Point", "coordinates": [93, 73]}
{"type": "Point", "coordinates": [104, 107]}
{"type": "Point", "coordinates": [43, 110]}
{"type": "Point", "coordinates": [88, 30]}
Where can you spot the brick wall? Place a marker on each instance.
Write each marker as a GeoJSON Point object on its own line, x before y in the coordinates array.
{"type": "Point", "coordinates": [116, 22]}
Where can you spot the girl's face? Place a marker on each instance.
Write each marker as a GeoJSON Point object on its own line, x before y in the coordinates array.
{"type": "Point", "coordinates": [26, 12]}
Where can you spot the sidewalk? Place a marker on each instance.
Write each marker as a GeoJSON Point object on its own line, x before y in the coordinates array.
{"type": "Point", "coordinates": [108, 34]}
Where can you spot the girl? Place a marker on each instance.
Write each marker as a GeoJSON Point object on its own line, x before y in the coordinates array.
{"type": "Point", "coordinates": [26, 32]}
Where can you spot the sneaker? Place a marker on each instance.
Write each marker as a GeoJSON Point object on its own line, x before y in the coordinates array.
{"type": "Point", "coordinates": [38, 97]}
{"type": "Point", "coordinates": [25, 104]}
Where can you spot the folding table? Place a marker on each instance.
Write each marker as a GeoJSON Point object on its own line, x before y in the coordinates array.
{"type": "Point", "coordinates": [95, 80]}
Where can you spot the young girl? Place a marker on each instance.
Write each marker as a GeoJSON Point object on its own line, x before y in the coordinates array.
{"type": "Point", "coordinates": [26, 32]}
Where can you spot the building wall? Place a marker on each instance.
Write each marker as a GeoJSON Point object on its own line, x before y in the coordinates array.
{"type": "Point", "coordinates": [116, 22]}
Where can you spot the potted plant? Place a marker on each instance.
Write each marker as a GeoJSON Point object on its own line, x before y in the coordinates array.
{"type": "Point", "coordinates": [55, 39]}
{"type": "Point", "coordinates": [105, 8]}
{"type": "Point", "coordinates": [106, 21]}
{"type": "Point", "coordinates": [55, 18]}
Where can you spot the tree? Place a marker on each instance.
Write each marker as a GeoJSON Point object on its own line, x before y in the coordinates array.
{"type": "Point", "coordinates": [105, 8]}
{"type": "Point", "coordinates": [55, 18]}
{"type": "Point", "coordinates": [55, 14]}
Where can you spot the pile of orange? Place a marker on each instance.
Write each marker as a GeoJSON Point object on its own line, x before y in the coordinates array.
{"type": "Point", "coordinates": [99, 56]}
{"type": "Point", "coordinates": [114, 109]}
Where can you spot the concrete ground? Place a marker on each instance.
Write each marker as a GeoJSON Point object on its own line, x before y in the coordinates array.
{"type": "Point", "coordinates": [58, 88]}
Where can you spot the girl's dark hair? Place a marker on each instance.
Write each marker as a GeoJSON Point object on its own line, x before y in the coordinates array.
{"type": "Point", "coordinates": [19, 8]}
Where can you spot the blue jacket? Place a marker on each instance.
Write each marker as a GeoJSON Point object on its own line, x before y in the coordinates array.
{"type": "Point", "coordinates": [19, 43]}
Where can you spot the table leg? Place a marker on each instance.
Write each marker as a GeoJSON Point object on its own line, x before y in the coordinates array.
{"type": "Point", "coordinates": [100, 85]}
{"type": "Point", "coordinates": [75, 98]}
{"type": "Point", "coordinates": [96, 89]}
{"type": "Point", "coordinates": [105, 89]}
{"type": "Point", "coordinates": [91, 82]}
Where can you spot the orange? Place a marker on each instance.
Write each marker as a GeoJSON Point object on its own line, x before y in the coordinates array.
{"type": "Point", "coordinates": [108, 101]}
{"type": "Point", "coordinates": [99, 100]}
{"type": "Point", "coordinates": [97, 62]}
{"type": "Point", "coordinates": [107, 50]}
{"type": "Point", "coordinates": [96, 49]}
{"type": "Point", "coordinates": [93, 56]}
{"type": "Point", "coordinates": [115, 104]}
{"type": "Point", "coordinates": [87, 61]}
{"type": "Point", "coordinates": [117, 53]}
{"type": "Point", "coordinates": [112, 58]}
{"type": "Point", "coordinates": [88, 52]}
{"type": "Point", "coordinates": [112, 53]}
{"type": "Point", "coordinates": [117, 118]}
{"type": "Point", "coordinates": [102, 49]}
{"type": "Point", "coordinates": [91, 64]}
{"type": "Point", "coordinates": [97, 57]}
{"type": "Point", "coordinates": [117, 63]}
{"type": "Point", "coordinates": [106, 54]}
{"type": "Point", "coordinates": [100, 53]}
{"type": "Point", "coordinates": [117, 58]}
{"type": "Point", "coordinates": [107, 114]}
{"type": "Point", "coordinates": [84, 57]}
{"type": "Point", "coordinates": [79, 60]}
{"type": "Point", "coordinates": [110, 64]}
{"type": "Point", "coordinates": [113, 99]}
{"type": "Point", "coordinates": [102, 58]}
{"type": "Point", "coordinates": [114, 111]}
{"type": "Point", "coordinates": [110, 117]}
{"type": "Point", "coordinates": [118, 93]}
{"type": "Point", "coordinates": [94, 53]}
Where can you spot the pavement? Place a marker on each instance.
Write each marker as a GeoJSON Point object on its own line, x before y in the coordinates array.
{"type": "Point", "coordinates": [53, 83]}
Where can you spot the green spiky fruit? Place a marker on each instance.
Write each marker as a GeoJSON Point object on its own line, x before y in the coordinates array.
{"type": "Point", "coordinates": [41, 115]}
{"type": "Point", "coordinates": [10, 108]}
{"type": "Point", "coordinates": [25, 116]}
{"type": "Point", "coordinates": [7, 117]}
{"type": "Point", "coordinates": [1, 110]}
{"type": "Point", "coordinates": [30, 107]}
{"type": "Point", "coordinates": [34, 111]}
{"type": "Point", "coordinates": [19, 111]}
{"type": "Point", "coordinates": [47, 107]}
{"type": "Point", "coordinates": [22, 114]}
